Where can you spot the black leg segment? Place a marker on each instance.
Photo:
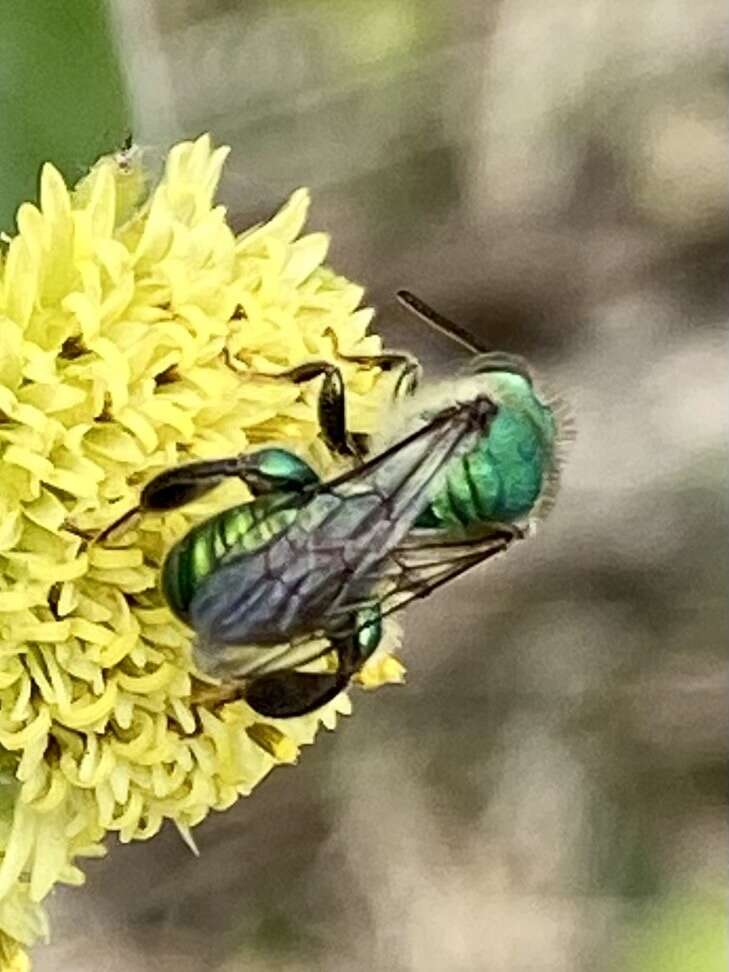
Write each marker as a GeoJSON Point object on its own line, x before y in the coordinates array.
{"type": "Point", "coordinates": [410, 374]}
{"type": "Point", "coordinates": [265, 471]}
{"type": "Point", "coordinates": [282, 695]}
{"type": "Point", "coordinates": [332, 407]}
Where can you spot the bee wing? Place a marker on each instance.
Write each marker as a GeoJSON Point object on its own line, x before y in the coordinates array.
{"type": "Point", "coordinates": [414, 570]}
{"type": "Point", "coordinates": [340, 539]}
{"type": "Point", "coordinates": [428, 563]}
{"type": "Point", "coordinates": [252, 661]}
{"type": "Point", "coordinates": [425, 563]}
{"type": "Point", "coordinates": [422, 549]}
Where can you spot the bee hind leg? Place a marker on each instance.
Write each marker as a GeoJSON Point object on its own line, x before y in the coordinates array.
{"type": "Point", "coordinates": [285, 694]}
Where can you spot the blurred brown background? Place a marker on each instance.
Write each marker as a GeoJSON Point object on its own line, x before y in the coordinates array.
{"type": "Point", "coordinates": [548, 793]}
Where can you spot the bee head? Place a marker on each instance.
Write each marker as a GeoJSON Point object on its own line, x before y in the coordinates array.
{"type": "Point", "coordinates": [509, 381]}
{"type": "Point", "coordinates": [500, 362]}
{"type": "Point", "coordinates": [506, 378]}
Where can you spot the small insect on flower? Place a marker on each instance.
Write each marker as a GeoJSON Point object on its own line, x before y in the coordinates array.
{"type": "Point", "coordinates": [464, 471]}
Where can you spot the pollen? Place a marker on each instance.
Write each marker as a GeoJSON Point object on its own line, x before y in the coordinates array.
{"type": "Point", "coordinates": [135, 324]}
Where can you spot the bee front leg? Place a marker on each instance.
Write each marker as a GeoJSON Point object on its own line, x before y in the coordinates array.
{"type": "Point", "coordinates": [410, 374]}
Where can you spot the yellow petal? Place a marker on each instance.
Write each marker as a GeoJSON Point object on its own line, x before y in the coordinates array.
{"type": "Point", "coordinates": [273, 741]}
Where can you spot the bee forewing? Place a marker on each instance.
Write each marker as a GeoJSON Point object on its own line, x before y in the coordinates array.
{"type": "Point", "coordinates": [331, 554]}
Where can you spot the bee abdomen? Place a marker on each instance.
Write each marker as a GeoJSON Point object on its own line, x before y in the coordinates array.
{"type": "Point", "coordinates": [233, 532]}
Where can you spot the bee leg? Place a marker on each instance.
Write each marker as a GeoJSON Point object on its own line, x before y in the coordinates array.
{"type": "Point", "coordinates": [282, 695]}
{"type": "Point", "coordinates": [265, 471]}
{"type": "Point", "coordinates": [406, 385]}
{"type": "Point", "coordinates": [332, 409]}
{"type": "Point", "coordinates": [408, 379]}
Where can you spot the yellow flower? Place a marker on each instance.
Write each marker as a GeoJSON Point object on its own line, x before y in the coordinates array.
{"type": "Point", "coordinates": [127, 315]}
{"type": "Point", "coordinates": [13, 957]}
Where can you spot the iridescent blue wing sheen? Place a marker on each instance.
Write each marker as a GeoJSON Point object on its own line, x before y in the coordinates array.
{"type": "Point", "coordinates": [414, 570]}
{"type": "Point", "coordinates": [330, 556]}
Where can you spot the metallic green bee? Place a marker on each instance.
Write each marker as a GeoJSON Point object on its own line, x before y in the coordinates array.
{"type": "Point", "coordinates": [463, 471]}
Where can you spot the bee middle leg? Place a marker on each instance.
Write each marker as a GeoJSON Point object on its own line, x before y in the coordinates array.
{"type": "Point", "coordinates": [331, 408]}
{"type": "Point", "coordinates": [264, 471]}
{"type": "Point", "coordinates": [407, 381]}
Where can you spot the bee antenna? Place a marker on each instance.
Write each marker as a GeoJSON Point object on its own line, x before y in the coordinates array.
{"type": "Point", "coordinates": [426, 313]}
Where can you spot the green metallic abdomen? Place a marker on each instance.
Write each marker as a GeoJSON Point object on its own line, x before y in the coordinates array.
{"type": "Point", "coordinates": [500, 480]}
{"type": "Point", "coordinates": [212, 543]}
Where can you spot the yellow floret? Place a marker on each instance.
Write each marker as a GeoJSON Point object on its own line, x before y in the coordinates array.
{"type": "Point", "coordinates": [129, 317]}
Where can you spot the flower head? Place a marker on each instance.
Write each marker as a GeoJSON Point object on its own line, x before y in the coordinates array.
{"type": "Point", "coordinates": [126, 317]}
